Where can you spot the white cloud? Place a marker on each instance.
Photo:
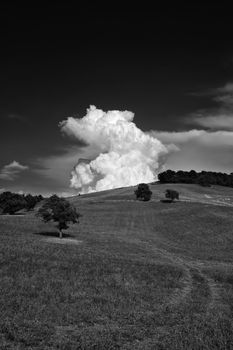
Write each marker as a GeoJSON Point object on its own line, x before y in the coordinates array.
{"type": "Point", "coordinates": [174, 137]}
{"type": "Point", "coordinates": [204, 137]}
{"type": "Point", "coordinates": [118, 154]}
{"type": "Point", "coordinates": [125, 155]}
{"type": "Point", "coordinates": [11, 171]}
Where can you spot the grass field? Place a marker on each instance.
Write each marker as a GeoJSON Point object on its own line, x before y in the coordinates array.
{"type": "Point", "coordinates": [142, 275]}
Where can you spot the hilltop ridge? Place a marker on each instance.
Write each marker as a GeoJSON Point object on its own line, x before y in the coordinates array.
{"type": "Point", "coordinates": [215, 195]}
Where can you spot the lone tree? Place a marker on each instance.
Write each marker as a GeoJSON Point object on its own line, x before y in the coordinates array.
{"type": "Point", "coordinates": [143, 192]}
{"type": "Point", "coordinates": [60, 211]}
{"type": "Point", "coordinates": [172, 194]}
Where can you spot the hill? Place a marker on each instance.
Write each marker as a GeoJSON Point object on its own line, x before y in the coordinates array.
{"type": "Point", "coordinates": [143, 275]}
{"type": "Point", "coordinates": [217, 195]}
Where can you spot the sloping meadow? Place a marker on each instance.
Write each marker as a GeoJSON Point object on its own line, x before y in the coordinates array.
{"type": "Point", "coordinates": [143, 276]}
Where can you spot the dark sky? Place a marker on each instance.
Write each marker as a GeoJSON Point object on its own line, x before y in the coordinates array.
{"type": "Point", "coordinates": [158, 62]}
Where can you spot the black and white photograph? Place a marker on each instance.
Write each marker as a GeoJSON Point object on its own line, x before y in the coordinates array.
{"type": "Point", "coordinates": [116, 175]}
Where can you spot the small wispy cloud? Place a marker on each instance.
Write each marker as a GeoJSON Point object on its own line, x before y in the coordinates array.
{"type": "Point", "coordinates": [226, 89]}
{"type": "Point", "coordinates": [220, 117]}
{"type": "Point", "coordinates": [212, 92]}
{"type": "Point", "coordinates": [216, 122]}
{"type": "Point", "coordinates": [11, 171]}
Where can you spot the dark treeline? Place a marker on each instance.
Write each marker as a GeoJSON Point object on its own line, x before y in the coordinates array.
{"type": "Point", "coordinates": [10, 202]}
{"type": "Point", "coordinates": [203, 178]}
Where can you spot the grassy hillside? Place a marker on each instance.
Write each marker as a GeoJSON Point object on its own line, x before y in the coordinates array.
{"type": "Point", "coordinates": [218, 195]}
{"type": "Point", "coordinates": [147, 275]}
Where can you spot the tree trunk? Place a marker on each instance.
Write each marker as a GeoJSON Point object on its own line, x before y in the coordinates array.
{"type": "Point", "coordinates": [60, 233]}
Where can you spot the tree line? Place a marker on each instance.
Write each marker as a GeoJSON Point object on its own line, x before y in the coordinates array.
{"type": "Point", "coordinates": [203, 178]}
{"type": "Point", "coordinates": [11, 202]}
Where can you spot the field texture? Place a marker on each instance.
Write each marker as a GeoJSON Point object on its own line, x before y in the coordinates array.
{"type": "Point", "coordinates": [131, 275]}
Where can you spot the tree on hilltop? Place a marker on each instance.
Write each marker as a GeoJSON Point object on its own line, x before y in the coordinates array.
{"type": "Point", "coordinates": [60, 211]}
{"type": "Point", "coordinates": [172, 194]}
{"type": "Point", "coordinates": [143, 192]}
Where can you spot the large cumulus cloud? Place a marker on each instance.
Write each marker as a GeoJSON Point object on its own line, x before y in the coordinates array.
{"type": "Point", "coordinates": [124, 154]}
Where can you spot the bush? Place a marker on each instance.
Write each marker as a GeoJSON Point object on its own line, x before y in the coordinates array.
{"type": "Point", "coordinates": [60, 211]}
{"type": "Point", "coordinates": [172, 194]}
{"type": "Point", "coordinates": [143, 192]}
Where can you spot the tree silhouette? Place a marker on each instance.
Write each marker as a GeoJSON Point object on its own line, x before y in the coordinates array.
{"type": "Point", "coordinates": [172, 194]}
{"type": "Point", "coordinates": [143, 192]}
{"type": "Point", "coordinates": [10, 202]}
{"type": "Point", "coordinates": [60, 211]}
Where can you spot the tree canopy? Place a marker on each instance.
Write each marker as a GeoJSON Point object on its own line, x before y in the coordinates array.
{"type": "Point", "coordinates": [203, 178]}
{"type": "Point", "coordinates": [10, 202]}
{"type": "Point", "coordinates": [143, 192]}
{"type": "Point", "coordinates": [60, 211]}
{"type": "Point", "coordinates": [171, 194]}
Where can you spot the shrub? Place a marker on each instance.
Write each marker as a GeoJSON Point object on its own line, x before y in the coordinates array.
{"type": "Point", "coordinates": [172, 194]}
{"type": "Point", "coordinates": [143, 192]}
